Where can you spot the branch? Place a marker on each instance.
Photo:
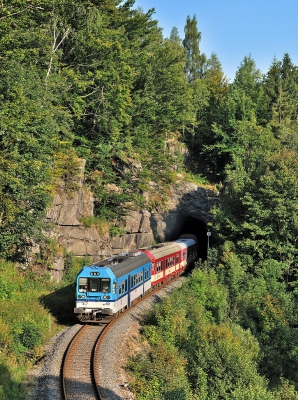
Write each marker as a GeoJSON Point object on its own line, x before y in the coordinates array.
{"type": "Point", "coordinates": [55, 48]}
{"type": "Point", "coordinates": [18, 12]}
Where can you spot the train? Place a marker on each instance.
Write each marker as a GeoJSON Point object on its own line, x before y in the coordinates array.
{"type": "Point", "coordinates": [109, 287]}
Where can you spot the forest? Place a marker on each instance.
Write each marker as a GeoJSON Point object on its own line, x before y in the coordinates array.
{"type": "Point", "coordinates": [96, 79]}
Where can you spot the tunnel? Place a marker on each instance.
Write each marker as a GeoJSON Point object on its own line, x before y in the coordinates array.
{"type": "Point", "coordinates": [181, 224]}
{"type": "Point", "coordinates": [199, 229]}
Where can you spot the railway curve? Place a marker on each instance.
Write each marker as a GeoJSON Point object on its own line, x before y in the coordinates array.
{"type": "Point", "coordinates": [110, 378]}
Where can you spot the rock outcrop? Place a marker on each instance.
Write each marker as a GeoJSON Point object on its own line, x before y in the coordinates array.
{"type": "Point", "coordinates": [65, 217]}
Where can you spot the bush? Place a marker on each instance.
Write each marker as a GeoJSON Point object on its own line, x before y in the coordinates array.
{"type": "Point", "coordinates": [30, 335]}
{"type": "Point", "coordinates": [195, 351]}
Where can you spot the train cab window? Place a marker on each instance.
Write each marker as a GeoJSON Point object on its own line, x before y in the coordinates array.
{"type": "Point", "coordinates": [82, 284]}
{"type": "Point", "coordinates": [102, 285]}
{"type": "Point", "coordinates": [105, 285]}
{"type": "Point", "coordinates": [93, 285]}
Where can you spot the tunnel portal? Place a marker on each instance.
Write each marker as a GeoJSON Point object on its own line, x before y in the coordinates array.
{"type": "Point", "coordinates": [196, 227]}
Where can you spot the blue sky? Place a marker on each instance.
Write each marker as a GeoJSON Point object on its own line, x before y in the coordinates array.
{"type": "Point", "coordinates": [233, 29]}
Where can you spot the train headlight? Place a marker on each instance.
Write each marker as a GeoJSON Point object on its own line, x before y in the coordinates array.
{"type": "Point", "coordinates": [106, 297]}
{"type": "Point", "coordinates": [81, 296]}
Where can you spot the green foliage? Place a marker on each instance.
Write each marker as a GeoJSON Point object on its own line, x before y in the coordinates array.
{"type": "Point", "coordinates": [197, 179]}
{"type": "Point", "coordinates": [195, 348]}
{"type": "Point", "coordinates": [29, 314]}
{"type": "Point", "coordinates": [30, 136]}
{"type": "Point", "coordinates": [194, 60]}
{"type": "Point", "coordinates": [30, 335]}
{"type": "Point", "coordinates": [72, 266]}
{"type": "Point", "coordinates": [259, 217]}
{"type": "Point", "coordinates": [115, 230]}
{"type": "Point", "coordinates": [25, 325]}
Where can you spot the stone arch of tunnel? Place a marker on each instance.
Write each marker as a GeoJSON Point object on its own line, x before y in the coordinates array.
{"type": "Point", "coordinates": [196, 227]}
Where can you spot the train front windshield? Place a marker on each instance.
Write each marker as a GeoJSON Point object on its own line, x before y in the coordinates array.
{"type": "Point", "coordinates": [102, 285]}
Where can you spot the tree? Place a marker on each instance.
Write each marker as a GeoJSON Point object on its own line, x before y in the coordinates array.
{"type": "Point", "coordinates": [280, 86]}
{"type": "Point", "coordinates": [35, 127]}
{"type": "Point", "coordinates": [195, 61]}
{"type": "Point", "coordinates": [174, 36]}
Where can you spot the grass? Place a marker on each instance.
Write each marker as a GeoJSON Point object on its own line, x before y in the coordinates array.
{"type": "Point", "coordinates": [33, 309]}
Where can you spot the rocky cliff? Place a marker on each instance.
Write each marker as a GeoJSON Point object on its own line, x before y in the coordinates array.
{"type": "Point", "coordinates": [188, 204]}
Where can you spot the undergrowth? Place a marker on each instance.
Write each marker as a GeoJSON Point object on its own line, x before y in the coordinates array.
{"type": "Point", "coordinates": [33, 309]}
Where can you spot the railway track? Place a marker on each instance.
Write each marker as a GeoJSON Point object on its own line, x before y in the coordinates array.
{"type": "Point", "coordinates": [80, 368]}
{"type": "Point", "coordinates": [78, 377]}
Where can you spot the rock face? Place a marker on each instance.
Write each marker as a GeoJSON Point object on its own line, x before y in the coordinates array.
{"type": "Point", "coordinates": [187, 201]}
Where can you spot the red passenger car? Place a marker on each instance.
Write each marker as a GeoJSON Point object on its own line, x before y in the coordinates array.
{"type": "Point", "coordinates": [170, 260]}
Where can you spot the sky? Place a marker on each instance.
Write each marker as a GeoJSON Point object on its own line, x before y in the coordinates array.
{"type": "Point", "coordinates": [234, 29]}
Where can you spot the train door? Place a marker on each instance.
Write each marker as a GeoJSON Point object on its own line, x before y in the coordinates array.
{"type": "Point", "coordinates": [129, 291]}
{"type": "Point", "coordinates": [177, 264]}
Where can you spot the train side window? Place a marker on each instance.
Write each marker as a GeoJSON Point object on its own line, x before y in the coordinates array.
{"type": "Point", "coordinates": [82, 284]}
{"type": "Point", "coordinates": [122, 287]}
{"type": "Point", "coordinates": [177, 259]}
{"type": "Point", "coordinates": [146, 274]}
{"type": "Point", "coordinates": [184, 255]}
{"type": "Point", "coordinates": [152, 267]}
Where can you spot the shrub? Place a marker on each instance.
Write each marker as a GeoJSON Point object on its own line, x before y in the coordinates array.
{"type": "Point", "coordinates": [30, 335]}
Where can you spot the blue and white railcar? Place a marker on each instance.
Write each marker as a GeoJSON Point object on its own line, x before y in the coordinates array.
{"type": "Point", "coordinates": [110, 286]}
